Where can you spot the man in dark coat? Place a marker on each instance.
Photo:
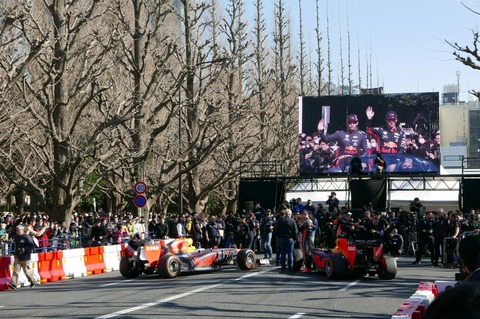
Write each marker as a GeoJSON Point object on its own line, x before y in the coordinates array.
{"type": "Point", "coordinates": [23, 250]}
{"type": "Point", "coordinates": [287, 231]}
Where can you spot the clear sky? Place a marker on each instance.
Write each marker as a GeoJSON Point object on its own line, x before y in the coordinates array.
{"type": "Point", "coordinates": [406, 39]}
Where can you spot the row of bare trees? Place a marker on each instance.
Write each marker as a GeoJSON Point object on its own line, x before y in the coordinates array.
{"type": "Point", "coordinates": [96, 95]}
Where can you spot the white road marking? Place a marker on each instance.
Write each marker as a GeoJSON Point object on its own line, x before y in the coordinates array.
{"type": "Point", "coordinates": [116, 283]}
{"type": "Point", "coordinates": [297, 315]}
{"type": "Point", "coordinates": [350, 285]}
{"type": "Point", "coordinates": [185, 294]}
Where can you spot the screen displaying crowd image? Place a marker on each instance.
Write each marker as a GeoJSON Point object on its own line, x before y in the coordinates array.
{"type": "Point", "coordinates": [402, 128]}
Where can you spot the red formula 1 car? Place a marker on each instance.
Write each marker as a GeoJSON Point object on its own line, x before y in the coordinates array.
{"type": "Point", "coordinates": [355, 258]}
{"type": "Point", "coordinates": [170, 257]}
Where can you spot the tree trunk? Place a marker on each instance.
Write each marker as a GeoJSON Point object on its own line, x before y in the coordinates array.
{"type": "Point", "coordinates": [60, 111]}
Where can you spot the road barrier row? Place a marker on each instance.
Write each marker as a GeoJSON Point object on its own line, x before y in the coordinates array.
{"type": "Point", "coordinates": [415, 306]}
{"type": "Point", "coordinates": [64, 264]}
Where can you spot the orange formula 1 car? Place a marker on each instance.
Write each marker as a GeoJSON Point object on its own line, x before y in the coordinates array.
{"type": "Point", "coordinates": [170, 257]}
{"type": "Point", "coordinates": [355, 258]}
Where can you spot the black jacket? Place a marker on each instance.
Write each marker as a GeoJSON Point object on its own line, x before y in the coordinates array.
{"type": "Point", "coordinates": [286, 228]}
{"type": "Point", "coordinates": [161, 230]}
{"type": "Point", "coordinates": [23, 247]}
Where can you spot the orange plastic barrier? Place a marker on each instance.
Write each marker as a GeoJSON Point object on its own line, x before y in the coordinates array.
{"type": "Point", "coordinates": [56, 267]}
{"type": "Point", "coordinates": [94, 260]}
{"type": "Point", "coordinates": [44, 261]}
{"type": "Point", "coordinates": [5, 273]}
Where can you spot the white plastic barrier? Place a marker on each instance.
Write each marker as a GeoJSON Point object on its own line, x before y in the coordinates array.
{"type": "Point", "coordinates": [74, 263]}
{"type": "Point", "coordinates": [112, 256]}
{"type": "Point", "coordinates": [415, 306]}
{"type": "Point", "coordinates": [34, 260]}
{"type": "Point", "coordinates": [22, 279]}
{"type": "Point", "coordinates": [445, 285]}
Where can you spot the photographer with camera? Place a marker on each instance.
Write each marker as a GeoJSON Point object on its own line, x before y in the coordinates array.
{"type": "Point", "coordinates": [332, 202]}
{"type": "Point", "coordinates": [23, 250]}
{"type": "Point", "coordinates": [417, 207]}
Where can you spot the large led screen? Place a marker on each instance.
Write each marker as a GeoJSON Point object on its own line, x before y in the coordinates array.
{"type": "Point", "coordinates": [346, 134]}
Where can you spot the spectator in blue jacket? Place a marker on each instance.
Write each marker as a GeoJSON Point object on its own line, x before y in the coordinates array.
{"type": "Point", "coordinates": [23, 250]}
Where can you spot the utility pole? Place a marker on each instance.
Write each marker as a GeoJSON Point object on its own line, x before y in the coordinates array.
{"type": "Point", "coordinates": [458, 86]}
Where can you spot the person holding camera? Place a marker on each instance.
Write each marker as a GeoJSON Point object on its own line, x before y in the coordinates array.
{"type": "Point", "coordinates": [23, 250]}
{"type": "Point", "coordinates": [332, 202]}
{"type": "Point", "coordinates": [417, 208]}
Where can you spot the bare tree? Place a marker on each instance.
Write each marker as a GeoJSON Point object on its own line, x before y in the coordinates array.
{"type": "Point", "coordinates": [285, 97]}
{"type": "Point", "coordinates": [329, 59]}
{"type": "Point", "coordinates": [301, 53]}
{"type": "Point", "coordinates": [359, 61]}
{"type": "Point", "coordinates": [468, 55]}
{"type": "Point", "coordinates": [62, 74]}
{"type": "Point", "coordinates": [261, 77]}
{"type": "Point", "coordinates": [342, 64]}
{"type": "Point", "coordinates": [319, 60]}
{"type": "Point", "coordinates": [349, 59]}
{"type": "Point", "coordinates": [217, 111]}
{"type": "Point", "coordinates": [146, 54]}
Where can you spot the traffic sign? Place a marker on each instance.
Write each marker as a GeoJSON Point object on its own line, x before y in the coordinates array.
{"type": "Point", "coordinates": [140, 187]}
{"type": "Point", "coordinates": [140, 201]}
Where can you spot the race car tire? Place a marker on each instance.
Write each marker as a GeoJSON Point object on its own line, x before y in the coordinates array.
{"type": "Point", "coordinates": [246, 259]}
{"type": "Point", "coordinates": [297, 259]}
{"type": "Point", "coordinates": [169, 266]}
{"type": "Point", "coordinates": [335, 267]}
{"type": "Point", "coordinates": [127, 270]}
{"type": "Point", "coordinates": [388, 268]}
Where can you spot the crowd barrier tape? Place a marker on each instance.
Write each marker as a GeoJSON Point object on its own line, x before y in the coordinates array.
{"type": "Point", "coordinates": [64, 264]}
{"type": "Point", "coordinates": [415, 306]}
{"type": "Point", "coordinates": [94, 260]}
{"type": "Point", "coordinates": [73, 263]}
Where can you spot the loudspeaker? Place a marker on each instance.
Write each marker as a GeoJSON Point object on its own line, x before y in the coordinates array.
{"type": "Point", "coordinates": [470, 198]}
{"type": "Point", "coordinates": [269, 193]}
{"type": "Point", "coordinates": [364, 191]}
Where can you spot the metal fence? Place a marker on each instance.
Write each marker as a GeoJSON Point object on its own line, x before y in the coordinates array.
{"type": "Point", "coordinates": [7, 247]}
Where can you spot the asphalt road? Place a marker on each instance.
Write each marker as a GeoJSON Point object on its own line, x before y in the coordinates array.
{"type": "Point", "coordinates": [229, 293]}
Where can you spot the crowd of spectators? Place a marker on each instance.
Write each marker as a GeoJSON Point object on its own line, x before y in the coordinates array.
{"type": "Point", "coordinates": [85, 230]}
{"type": "Point", "coordinates": [318, 226]}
